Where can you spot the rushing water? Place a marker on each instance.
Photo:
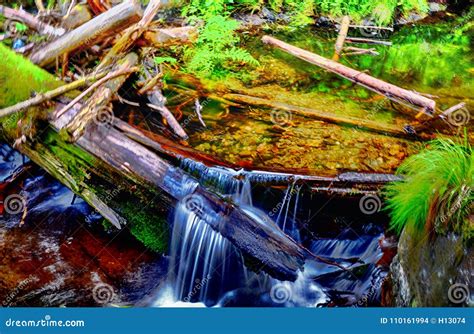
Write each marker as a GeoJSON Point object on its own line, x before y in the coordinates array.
{"type": "Point", "coordinates": [206, 269]}
{"type": "Point", "coordinates": [62, 253]}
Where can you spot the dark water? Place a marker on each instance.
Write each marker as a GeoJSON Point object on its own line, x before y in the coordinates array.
{"type": "Point", "coordinates": [55, 251]}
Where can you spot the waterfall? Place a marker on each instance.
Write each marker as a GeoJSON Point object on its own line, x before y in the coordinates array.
{"type": "Point", "coordinates": [205, 268]}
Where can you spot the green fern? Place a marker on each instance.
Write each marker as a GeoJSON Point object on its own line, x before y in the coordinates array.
{"type": "Point", "coordinates": [215, 52]}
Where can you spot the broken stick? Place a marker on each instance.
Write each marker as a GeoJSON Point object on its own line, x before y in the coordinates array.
{"type": "Point", "coordinates": [392, 92]}
{"type": "Point", "coordinates": [43, 97]}
{"type": "Point", "coordinates": [341, 37]}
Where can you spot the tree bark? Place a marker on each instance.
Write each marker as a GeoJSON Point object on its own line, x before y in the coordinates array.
{"type": "Point", "coordinates": [381, 87]}
{"type": "Point", "coordinates": [104, 25]}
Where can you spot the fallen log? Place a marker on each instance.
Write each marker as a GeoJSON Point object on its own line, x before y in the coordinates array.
{"type": "Point", "coordinates": [109, 156]}
{"type": "Point", "coordinates": [348, 183]}
{"type": "Point", "coordinates": [31, 21]}
{"type": "Point", "coordinates": [323, 116]}
{"type": "Point", "coordinates": [104, 25]}
{"type": "Point", "coordinates": [378, 86]}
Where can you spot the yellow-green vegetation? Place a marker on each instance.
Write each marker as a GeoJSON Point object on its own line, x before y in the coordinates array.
{"type": "Point", "coordinates": [436, 193]}
{"type": "Point", "coordinates": [20, 79]}
{"type": "Point", "coordinates": [150, 229]}
{"type": "Point", "coordinates": [215, 52]}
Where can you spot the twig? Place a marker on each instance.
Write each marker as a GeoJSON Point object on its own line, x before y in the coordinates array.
{"type": "Point", "coordinates": [367, 41]}
{"type": "Point", "coordinates": [94, 86]}
{"type": "Point", "coordinates": [198, 108]}
{"type": "Point", "coordinates": [40, 98]}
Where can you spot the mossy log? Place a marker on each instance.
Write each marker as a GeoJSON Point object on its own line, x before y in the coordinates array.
{"type": "Point", "coordinates": [114, 159]}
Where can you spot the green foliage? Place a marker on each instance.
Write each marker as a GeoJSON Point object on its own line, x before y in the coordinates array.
{"type": "Point", "coordinates": [215, 52]}
{"type": "Point", "coordinates": [437, 190]}
{"type": "Point", "coordinates": [162, 60]}
{"type": "Point", "coordinates": [20, 27]}
{"type": "Point", "coordinates": [302, 11]}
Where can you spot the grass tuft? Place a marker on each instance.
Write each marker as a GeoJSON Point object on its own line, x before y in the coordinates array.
{"type": "Point", "coordinates": [436, 193]}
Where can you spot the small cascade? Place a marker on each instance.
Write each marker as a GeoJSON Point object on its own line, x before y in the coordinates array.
{"type": "Point", "coordinates": [206, 269]}
{"type": "Point", "coordinates": [203, 264]}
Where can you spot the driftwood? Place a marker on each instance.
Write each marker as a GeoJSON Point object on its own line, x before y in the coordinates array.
{"type": "Point", "coordinates": [104, 25]}
{"type": "Point", "coordinates": [341, 37]}
{"type": "Point", "coordinates": [30, 21]}
{"type": "Point", "coordinates": [381, 87]}
{"type": "Point", "coordinates": [96, 107]}
{"type": "Point", "coordinates": [322, 116]}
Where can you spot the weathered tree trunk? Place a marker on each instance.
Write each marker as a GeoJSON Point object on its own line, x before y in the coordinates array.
{"type": "Point", "coordinates": [381, 87]}
{"type": "Point", "coordinates": [104, 25]}
{"type": "Point", "coordinates": [322, 116]}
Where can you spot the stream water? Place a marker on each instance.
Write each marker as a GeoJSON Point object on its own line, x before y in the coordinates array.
{"type": "Point", "coordinates": [74, 258]}
{"type": "Point", "coordinates": [55, 251]}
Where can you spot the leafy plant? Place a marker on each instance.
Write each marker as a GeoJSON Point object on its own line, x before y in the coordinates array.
{"type": "Point", "coordinates": [215, 52]}
{"type": "Point", "coordinates": [436, 193]}
{"type": "Point", "coordinates": [162, 60]}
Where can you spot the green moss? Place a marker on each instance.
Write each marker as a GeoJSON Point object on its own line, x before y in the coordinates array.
{"type": "Point", "coordinates": [20, 79]}
{"type": "Point", "coordinates": [149, 228]}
